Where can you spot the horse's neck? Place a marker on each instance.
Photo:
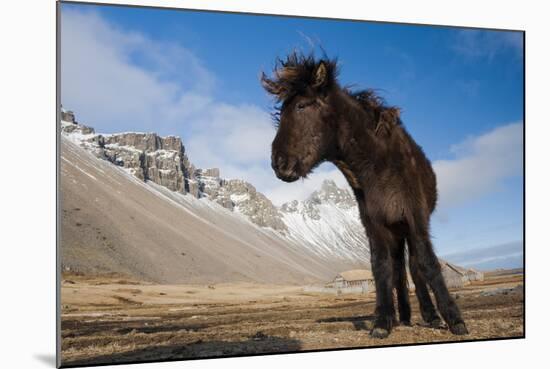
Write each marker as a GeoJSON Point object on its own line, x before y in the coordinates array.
{"type": "Point", "coordinates": [356, 135]}
{"type": "Point", "coordinates": [358, 146]}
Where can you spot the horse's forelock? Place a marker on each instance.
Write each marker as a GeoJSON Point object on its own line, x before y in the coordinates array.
{"type": "Point", "coordinates": [295, 74]}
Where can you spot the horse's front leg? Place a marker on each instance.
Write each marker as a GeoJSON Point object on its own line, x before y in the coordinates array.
{"type": "Point", "coordinates": [381, 243]}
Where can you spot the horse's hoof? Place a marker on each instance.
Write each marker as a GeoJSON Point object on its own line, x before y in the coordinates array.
{"type": "Point", "coordinates": [406, 323]}
{"type": "Point", "coordinates": [379, 333]}
{"type": "Point", "coordinates": [436, 323]}
{"type": "Point", "coordinates": [459, 329]}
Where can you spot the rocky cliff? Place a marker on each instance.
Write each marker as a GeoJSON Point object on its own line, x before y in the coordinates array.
{"type": "Point", "coordinates": [162, 160]}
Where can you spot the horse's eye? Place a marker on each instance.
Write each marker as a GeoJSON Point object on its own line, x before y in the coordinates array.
{"type": "Point", "coordinates": [300, 106]}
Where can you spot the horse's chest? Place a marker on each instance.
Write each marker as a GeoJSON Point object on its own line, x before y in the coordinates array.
{"type": "Point", "coordinates": [390, 207]}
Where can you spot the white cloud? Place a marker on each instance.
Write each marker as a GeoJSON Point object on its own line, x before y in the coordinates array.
{"type": "Point", "coordinates": [484, 44]}
{"type": "Point", "coordinates": [106, 89]}
{"type": "Point", "coordinates": [479, 165]}
{"type": "Point", "coordinates": [241, 134]}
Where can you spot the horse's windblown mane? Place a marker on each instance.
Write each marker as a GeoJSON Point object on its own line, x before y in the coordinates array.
{"type": "Point", "coordinates": [297, 73]}
{"type": "Point", "coordinates": [386, 116]}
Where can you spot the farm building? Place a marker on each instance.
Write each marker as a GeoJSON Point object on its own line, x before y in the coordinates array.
{"type": "Point", "coordinates": [474, 275]}
{"type": "Point", "coordinates": [455, 277]}
{"type": "Point", "coordinates": [360, 280]}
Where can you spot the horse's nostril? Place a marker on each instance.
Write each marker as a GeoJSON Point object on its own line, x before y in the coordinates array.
{"type": "Point", "coordinates": [278, 161]}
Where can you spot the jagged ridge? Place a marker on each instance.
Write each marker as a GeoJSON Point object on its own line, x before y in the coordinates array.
{"type": "Point", "coordinates": [162, 160]}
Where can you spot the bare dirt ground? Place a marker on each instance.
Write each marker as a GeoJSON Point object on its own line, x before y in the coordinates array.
{"type": "Point", "coordinates": [112, 320]}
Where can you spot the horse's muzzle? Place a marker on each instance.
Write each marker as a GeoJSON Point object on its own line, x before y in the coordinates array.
{"type": "Point", "coordinates": [286, 169]}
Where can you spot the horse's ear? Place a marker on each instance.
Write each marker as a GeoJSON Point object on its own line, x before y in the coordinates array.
{"type": "Point", "coordinates": [320, 75]}
{"type": "Point", "coordinates": [270, 86]}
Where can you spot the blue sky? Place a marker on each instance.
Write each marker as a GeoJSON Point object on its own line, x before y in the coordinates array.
{"type": "Point", "coordinates": [195, 74]}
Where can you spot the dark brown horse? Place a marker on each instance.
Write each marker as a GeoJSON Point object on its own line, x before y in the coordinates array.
{"type": "Point", "coordinates": [392, 180]}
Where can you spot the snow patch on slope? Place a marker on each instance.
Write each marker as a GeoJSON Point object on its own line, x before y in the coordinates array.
{"type": "Point", "coordinates": [328, 224]}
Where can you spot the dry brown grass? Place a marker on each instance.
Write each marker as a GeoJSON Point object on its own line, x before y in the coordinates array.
{"type": "Point", "coordinates": [107, 322]}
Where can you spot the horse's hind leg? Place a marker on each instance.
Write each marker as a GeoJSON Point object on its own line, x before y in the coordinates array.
{"type": "Point", "coordinates": [427, 309]}
{"type": "Point", "coordinates": [400, 283]}
{"type": "Point", "coordinates": [382, 242]}
{"type": "Point", "coordinates": [430, 269]}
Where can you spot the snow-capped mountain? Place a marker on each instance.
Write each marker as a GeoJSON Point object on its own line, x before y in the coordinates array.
{"type": "Point", "coordinates": [326, 223]}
